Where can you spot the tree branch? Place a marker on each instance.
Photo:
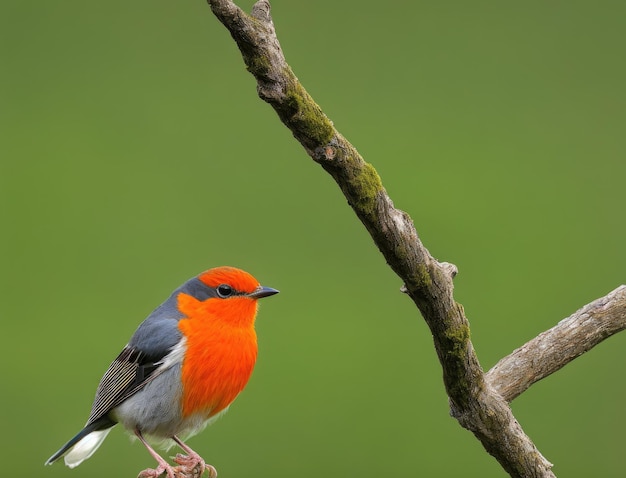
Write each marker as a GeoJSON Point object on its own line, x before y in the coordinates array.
{"type": "Point", "coordinates": [476, 402]}
{"type": "Point", "coordinates": [555, 348]}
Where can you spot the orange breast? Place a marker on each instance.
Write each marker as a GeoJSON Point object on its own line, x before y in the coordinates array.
{"type": "Point", "coordinates": [221, 351]}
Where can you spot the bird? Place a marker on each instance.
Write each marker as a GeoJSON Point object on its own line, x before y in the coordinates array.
{"type": "Point", "coordinates": [180, 370]}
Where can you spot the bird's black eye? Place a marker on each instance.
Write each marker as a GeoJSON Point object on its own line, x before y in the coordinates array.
{"type": "Point", "coordinates": [224, 291]}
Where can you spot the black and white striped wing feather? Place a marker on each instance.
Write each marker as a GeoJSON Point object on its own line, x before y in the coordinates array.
{"type": "Point", "coordinates": [128, 374]}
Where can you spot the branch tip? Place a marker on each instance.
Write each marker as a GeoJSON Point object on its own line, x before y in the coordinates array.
{"type": "Point", "coordinates": [261, 11]}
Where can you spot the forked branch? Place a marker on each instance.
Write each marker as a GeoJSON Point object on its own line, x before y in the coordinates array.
{"type": "Point", "coordinates": [476, 400]}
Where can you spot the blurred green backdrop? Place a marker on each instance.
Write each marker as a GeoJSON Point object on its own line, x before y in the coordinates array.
{"type": "Point", "coordinates": [135, 154]}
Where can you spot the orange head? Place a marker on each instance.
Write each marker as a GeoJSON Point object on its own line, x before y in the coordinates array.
{"type": "Point", "coordinates": [221, 348]}
{"type": "Point", "coordinates": [239, 280]}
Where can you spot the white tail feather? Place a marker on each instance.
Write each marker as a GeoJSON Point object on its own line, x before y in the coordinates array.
{"type": "Point", "coordinates": [85, 448]}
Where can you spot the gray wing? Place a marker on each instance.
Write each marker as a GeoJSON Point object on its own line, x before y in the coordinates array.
{"type": "Point", "coordinates": [139, 362]}
{"type": "Point", "coordinates": [142, 359]}
{"type": "Point", "coordinates": [128, 373]}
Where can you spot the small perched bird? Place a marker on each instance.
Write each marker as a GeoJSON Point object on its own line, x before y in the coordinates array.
{"type": "Point", "coordinates": [182, 368]}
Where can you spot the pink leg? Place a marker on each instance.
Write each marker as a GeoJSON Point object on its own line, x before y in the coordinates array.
{"type": "Point", "coordinates": [192, 460]}
{"type": "Point", "coordinates": [163, 466]}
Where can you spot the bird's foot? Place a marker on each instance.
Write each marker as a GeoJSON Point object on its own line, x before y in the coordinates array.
{"type": "Point", "coordinates": [193, 465]}
{"type": "Point", "coordinates": [158, 471]}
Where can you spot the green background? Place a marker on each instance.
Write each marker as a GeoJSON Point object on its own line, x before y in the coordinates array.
{"type": "Point", "coordinates": [135, 154]}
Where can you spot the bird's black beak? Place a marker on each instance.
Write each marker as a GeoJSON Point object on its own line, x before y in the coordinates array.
{"type": "Point", "coordinates": [261, 292]}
